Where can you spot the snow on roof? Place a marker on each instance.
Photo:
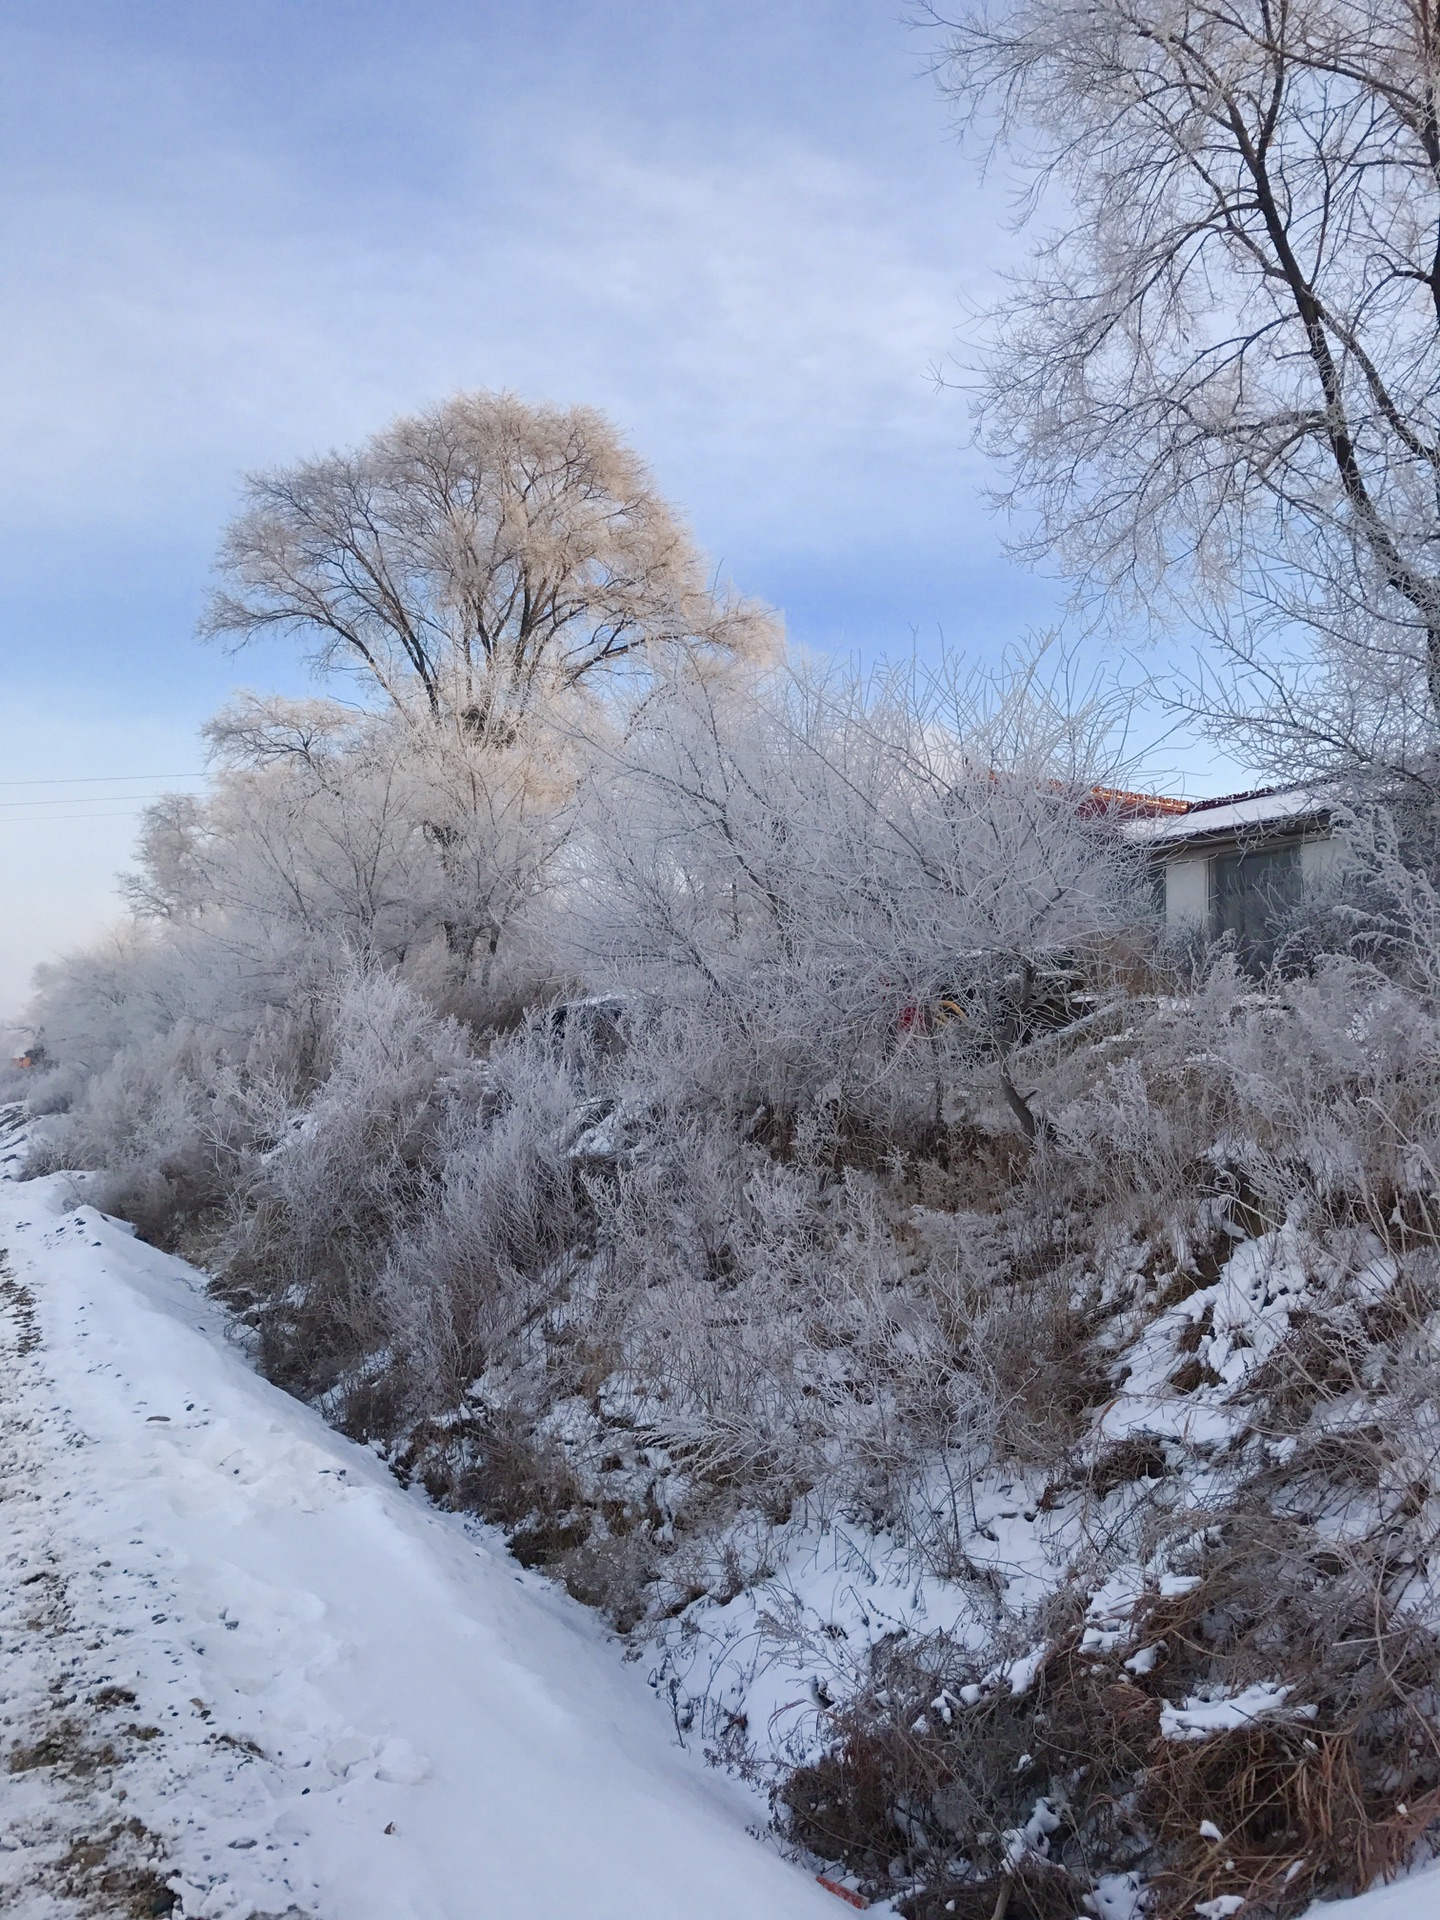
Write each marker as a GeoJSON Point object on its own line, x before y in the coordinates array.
{"type": "Point", "coordinates": [1232, 813]}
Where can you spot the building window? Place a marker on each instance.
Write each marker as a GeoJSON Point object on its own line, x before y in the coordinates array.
{"type": "Point", "coordinates": [1253, 891]}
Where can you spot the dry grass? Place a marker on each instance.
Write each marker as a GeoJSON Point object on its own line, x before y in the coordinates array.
{"type": "Point", "coordinates": [1298, 1810]}
{"type": "Point", "coordinates": [1330, 1792]}
{"type": "Point", "coordinates": [1035, 1891]}
{"type": "Point", "coordinates": [918, 1778]}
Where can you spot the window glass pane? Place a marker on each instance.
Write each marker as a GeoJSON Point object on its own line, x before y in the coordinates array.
{"type": "Point", "coordinates": [1252, 893]}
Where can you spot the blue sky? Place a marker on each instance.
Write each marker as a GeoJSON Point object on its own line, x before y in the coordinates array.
{"type": "Point", "coordinates": [238, 231]}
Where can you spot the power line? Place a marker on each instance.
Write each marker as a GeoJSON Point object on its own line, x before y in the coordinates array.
{"type": "Point", "coordinates": [97, 779]}
{"type": "Point", "coordinates": [54, 819]}
{"type": "Point", "coordinates": [86, 799]}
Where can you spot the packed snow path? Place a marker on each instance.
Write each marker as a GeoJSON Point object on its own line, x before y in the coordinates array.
{"type": "Point", "coordinates": [240, 1666]}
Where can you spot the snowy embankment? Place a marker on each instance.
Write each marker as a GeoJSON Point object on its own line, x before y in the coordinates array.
{"type": "Point", "coordinates": [241, 1667]}
{"type": "Point", "coordinates": [242, 1673]}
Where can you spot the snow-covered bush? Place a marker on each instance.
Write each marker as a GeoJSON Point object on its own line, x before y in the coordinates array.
{"type": "Point", "coordinates": [168, 1124]}
{"type": "Point", "coordinates": [819, 870]}
{"type": "Point", "coordinates": [318, 1207]}
{"type": "Point", "coordinates": [491, 1245]}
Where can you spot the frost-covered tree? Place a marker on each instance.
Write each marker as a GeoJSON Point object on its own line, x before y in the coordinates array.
{"type": "Point", "coordinates": [333, 829]}
{"type": "Point", "coordinates": [838, 871]}
{"type": "Point", "coordinates": [469, 559]}
{"type": "Point", "coordinates": [1217, 383]}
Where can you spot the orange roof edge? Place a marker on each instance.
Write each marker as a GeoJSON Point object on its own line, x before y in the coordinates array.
{"type": "Point", "coordinates": [1137, 806]}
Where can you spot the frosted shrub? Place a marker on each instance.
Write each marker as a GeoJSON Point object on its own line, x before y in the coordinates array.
{"type": "Point", "coordinates": [348, 1171]}
{"type": "Point", "coordinates": [169, 1127]}
{"type": "Point", "coordinates": [1317, 1099]}
{"type": "Point", "coordinates": [493, 1239]}
{"type": "Point", "coordinates": [708, 1269]}
{"type": "Point", "coordinates": [809, 869]}
{"type": "Point", "coordinates": [122, 993]}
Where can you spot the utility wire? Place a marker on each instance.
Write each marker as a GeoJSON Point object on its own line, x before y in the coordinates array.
{"type": "Point", "coordinates": [98, 779]}
{"type": "Point", "coordinates": [45, 819]}
{"type": "Point", "coordinates": [86, 799]}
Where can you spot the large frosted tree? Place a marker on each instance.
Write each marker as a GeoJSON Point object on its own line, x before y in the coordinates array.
{"type": "Point", "coordinates": [480, 568]}
{"type": "Point", "coordinates": [473, 560]}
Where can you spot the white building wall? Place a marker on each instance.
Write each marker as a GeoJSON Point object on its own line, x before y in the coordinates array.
{"type": "Point", "coordinates": [1187, 890]}
{"type": "Point", "coordinates": [1187, 878]}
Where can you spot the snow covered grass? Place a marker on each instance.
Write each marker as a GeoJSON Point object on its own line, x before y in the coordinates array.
{"type": "Point", "coordinates": [244, 1671]}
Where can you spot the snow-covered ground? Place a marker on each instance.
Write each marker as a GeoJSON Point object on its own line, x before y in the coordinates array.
{"type": "Point", "coordinates": [241, 1669]}
{"type": "Point", "coordinates": [239, 1664]}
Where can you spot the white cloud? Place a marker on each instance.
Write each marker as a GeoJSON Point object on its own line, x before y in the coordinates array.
{"type": "Point", "coordinates": [761, 315]}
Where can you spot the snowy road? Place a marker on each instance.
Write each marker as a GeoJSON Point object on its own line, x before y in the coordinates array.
{"type": "Point", "coordinates": [238, 1662]}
